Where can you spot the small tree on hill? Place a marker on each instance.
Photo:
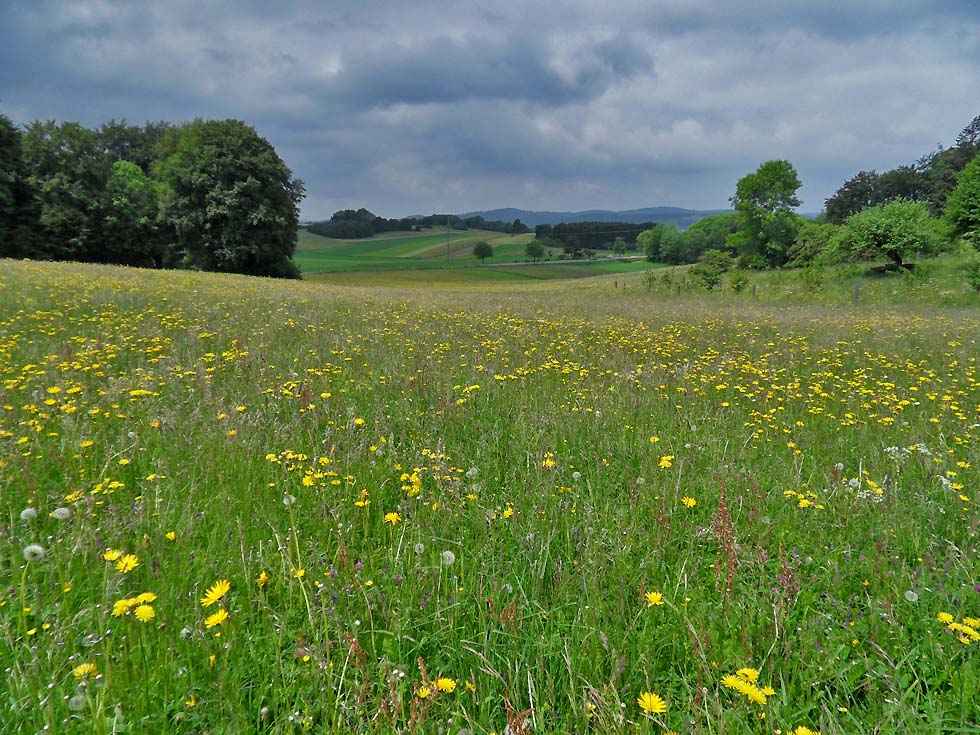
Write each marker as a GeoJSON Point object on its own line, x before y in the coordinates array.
{"type": "Point", "coordinates": [483, 250]}
{"type": "Point", "coordinates": [534, 250]}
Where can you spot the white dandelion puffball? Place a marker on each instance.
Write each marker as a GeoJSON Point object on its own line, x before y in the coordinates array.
{"type": "Point", "coordinates": [448, 558]}
{"type": "Point", "coordinates": [28, 513]}
{"type": "Point", "coordinates": [33, 552]}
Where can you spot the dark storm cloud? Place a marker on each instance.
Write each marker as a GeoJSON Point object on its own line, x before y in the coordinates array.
{"type": "Point", "coordinates": [418, 106]}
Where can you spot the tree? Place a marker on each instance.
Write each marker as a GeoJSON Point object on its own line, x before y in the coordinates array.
{"type": "Point", "coordinates": [230, 199]}
{"type": "Point", "coordinates": [131, 233]}
{"type": "Point", "coordinates": [708, 233]}
{"type": "Point", "coordinates": [518, 227]}
{"type": "Point", "coordinates": [650, 240]}
{"type": "Point", "coordinates": [68, 172]}
{"type": "Point", "coordinates": [963, 207]}
{"type": "Point", "coordinates": [898, 230]}
{"type": "Point", "coordinates": [534, 250]}
{"type": "Point", "coordinates": [763, 203]}
{"type": "Point", "coordinates": [812, 239]}
{"type": "Point", "coordinates": [18, 216]}
{"type": "Point", "coordinates": [857, 193]}
{"type": "Point", "coordinates": [483, 250]}
{"type": "Point", "coordinates": [133, 143]}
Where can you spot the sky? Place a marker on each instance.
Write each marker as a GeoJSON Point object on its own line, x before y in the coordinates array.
{"type": "Point", "coordinates": [421, 106]}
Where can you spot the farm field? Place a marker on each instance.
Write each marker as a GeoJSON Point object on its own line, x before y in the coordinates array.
{"type": "Point", "coordinates": [319, 257]}
{"type": "Point", "coordinates": [234, 504]}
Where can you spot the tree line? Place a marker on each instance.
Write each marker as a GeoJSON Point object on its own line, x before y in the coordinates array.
{"type": "Point", "coordinates": [916, 210]}
{"type": "Point", "coordinates": [209, 194]}
{"type": "Point", "coordinates": [349, 224]}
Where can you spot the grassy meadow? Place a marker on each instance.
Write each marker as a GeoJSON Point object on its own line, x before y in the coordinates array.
{"type": "Point", "coordinates": [235, 505]}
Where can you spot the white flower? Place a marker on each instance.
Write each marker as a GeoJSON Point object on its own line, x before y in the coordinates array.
{"type": "Point", "coordinates": [28, 513]}
{"type": "Point", "coordinates": [33, 552]}
{"type": "Point", "coordinates": [854, 483]}
{"type": "Point", "coordinates": [576, 476]}
{"type": "Point", "coordinates": [288, 500]}
{"type": "Point", "coordinates": [61, 514]}
{"type": "Point", "coordinates": [420, 548]}
{"type": "Point", "coordinates": [448, 558]}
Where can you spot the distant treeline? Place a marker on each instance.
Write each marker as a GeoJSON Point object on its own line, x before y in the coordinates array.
{"type": "Point", "coordinates": [350, 224]}
{"type": "Point", "coordinates": [575, 237]}
{"type": "Point", "coordinates": [209, 194]}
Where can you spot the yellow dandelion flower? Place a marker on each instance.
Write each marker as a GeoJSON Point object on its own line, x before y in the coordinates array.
{"type": "Point", "coordinates": [122, 607]}
{"type": "Point", "coordinates": [216, 618]}
{"type": "Point", "coordinates": [298, 573]}
{"type": "Point", "coordinates": [85, 671]}
{"type": "Point", "coordinates": [111, 554]}
{"type": "Point", "coordinates": [731, 681]}
{"type": "Point", "coordinates": [127, 563]}
{"type": "Point", "coordinates": [654, 598]}
{"type": "Point", "coordinates": [446, 685]}
{"type": "Point", "coordinates": [651, 703]}
{"type": "Point", "coordinates": [944, 617]}
{"type": "Point", "coordinates": [423, 692]}
{"type": "Point", "coordinates": [262, 579]}
{"type": "Point", "coordinates": [170, 535]}
{"type": "Point", "coordinates": [749, 675]}
{"type": "Point", "coordinates": [215, 592]}
{"type": "Point", "coordinates": [144, 613]}
{"type": "Point", "coordinates": [689, 502]}
{"type": "Point", "coordinates": [393, 517]}
{"type": "Point", "coordinates": [145, 598]}
{"type": "Point", "coordinates": [666, 461]}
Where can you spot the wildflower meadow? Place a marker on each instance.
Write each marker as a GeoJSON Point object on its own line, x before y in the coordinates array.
{"type": "Point", "coordinates": [234, 505]}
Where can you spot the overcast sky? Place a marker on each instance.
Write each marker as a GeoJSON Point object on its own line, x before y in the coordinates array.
{"type": "Point", "coordinates": [420, 106]}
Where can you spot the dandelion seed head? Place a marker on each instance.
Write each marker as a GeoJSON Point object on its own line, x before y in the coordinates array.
{"type": "Point", "coordinates": [448, 558]}
{"type": "Point", "coordinates": [28, 514]}
{"type": "Point", "coordinates": [61, 514]}
{"type": "Point", "coordinates": [33, 552]}
{"type": "Point", "coordinates": [911, 596]}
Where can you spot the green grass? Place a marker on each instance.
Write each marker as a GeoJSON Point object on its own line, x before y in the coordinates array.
{"type": "Point", "coordinates": [793, 475]}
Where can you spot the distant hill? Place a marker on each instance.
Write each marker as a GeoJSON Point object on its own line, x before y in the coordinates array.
{"type": "Point", "coordinates": [681, 217]}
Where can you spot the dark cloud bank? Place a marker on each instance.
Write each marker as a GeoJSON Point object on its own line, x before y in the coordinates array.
{"type": "Point", "coordinates": [420, 107]}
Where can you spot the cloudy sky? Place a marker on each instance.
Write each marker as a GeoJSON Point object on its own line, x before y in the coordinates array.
{"type": "Point", "coordinates": [418, 106]}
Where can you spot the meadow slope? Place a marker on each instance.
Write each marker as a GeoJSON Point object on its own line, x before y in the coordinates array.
{"type": "Point", "coordinates": [240, 505]}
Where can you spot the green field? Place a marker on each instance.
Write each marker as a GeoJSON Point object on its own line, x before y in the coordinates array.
{"type": "Point", "coordinates": [318, 255]}
{"type": "Point", "coordinates": [509, 503]}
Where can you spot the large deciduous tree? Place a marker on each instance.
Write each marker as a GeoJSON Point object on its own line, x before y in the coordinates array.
{"type": "Point", "coordinates": [18, 216]}
{"type": "Point", "coordinates": [231, 201]}
{"type": "Point", "coordinates": [764, 201]}
{"type": "Point", "coordinates": [963, 206]}
{"type": "Point", "coordinates": [132, 235]}
{"type": "Point", "coordinates": [68, 172]}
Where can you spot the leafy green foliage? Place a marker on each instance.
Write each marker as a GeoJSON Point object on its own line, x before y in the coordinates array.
{"type": "Point", "coordinates": [68, 173]}
{"type": "Point", "coordinates": [764, 201]}
{"type": "Point", "coordinates": [232, 202]}
{"type": "Point", "coordinates": [812, 239]}
{"type": "Point", "coordinates": [899, 230]}
{"type": "Point", "coordinates": [18, 217]}
{"type": "Point", "coordinates": [132, 236]}
{"type": "Point", "coordinates": [963, 209]}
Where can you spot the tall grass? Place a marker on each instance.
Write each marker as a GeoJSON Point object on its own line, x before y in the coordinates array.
{"type": "Point", "coordinates": [467, 512]}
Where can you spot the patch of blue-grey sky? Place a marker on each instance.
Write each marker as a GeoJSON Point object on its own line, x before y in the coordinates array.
{"type": "Point", "coordinates": [418, 107]}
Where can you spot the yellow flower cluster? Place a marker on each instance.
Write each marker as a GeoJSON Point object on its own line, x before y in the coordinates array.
{"type": "Point", "coordinates": [744, 682]}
